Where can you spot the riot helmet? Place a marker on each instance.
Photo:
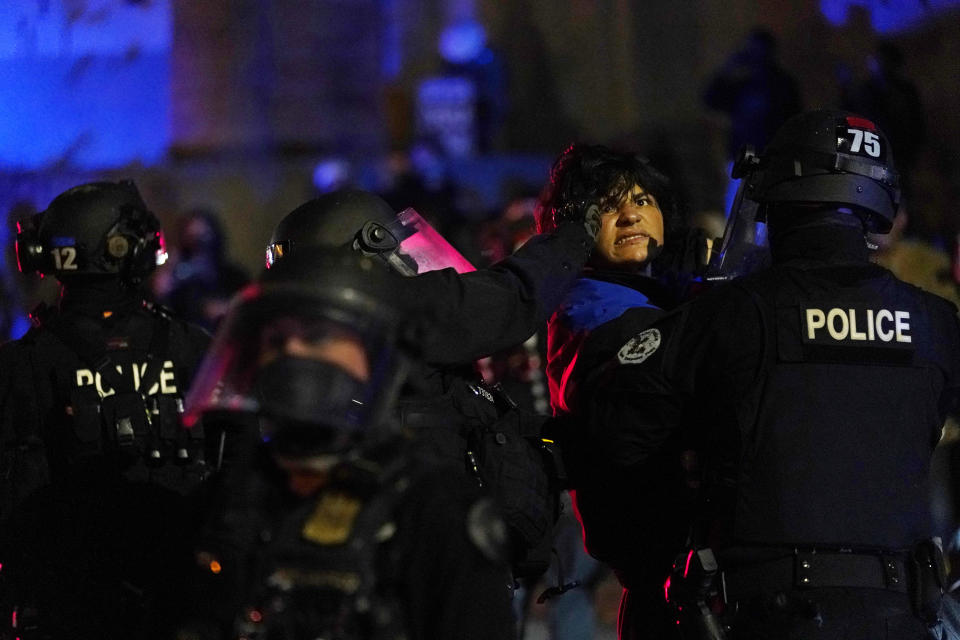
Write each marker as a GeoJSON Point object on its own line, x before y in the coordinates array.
{"type": "Point", "coordinates": [819, 160]}
{"type": "Point", "coordinates": [364, 222]}
{"type": "Point", "coordinates": [94, 229]}
{"type": "Point", "coordinates": [826, 157]}
{"type": "Point", "coordinates": [316, 347]}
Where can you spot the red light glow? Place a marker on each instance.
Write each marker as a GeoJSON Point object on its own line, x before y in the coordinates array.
{"type": "Point", "coordinates": [861, 123]}
{"type": "Point", "coordinates": [686, 569]}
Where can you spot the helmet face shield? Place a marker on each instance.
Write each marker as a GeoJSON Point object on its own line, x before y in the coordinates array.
{"type": "Point", "coordinates": [744, 247]}
{"type": "Point", "coordinates": [321, 375]}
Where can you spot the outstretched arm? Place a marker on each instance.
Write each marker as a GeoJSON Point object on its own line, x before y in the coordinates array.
{"type": "Point", "coordinates": [475, 314]}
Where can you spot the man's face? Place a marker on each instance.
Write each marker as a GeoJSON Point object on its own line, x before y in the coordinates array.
{"type": "Point", "coordinates": [307, 475]}
{"type": "Point", "coordinates": [337, 347]}
{"type": "Point", "coordinates": [626, 231]}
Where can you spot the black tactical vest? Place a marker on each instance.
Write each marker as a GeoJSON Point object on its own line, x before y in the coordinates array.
{"type": "Point", "coordinates": [117, 399]}
{"type": "Point", "coordinates": [838, 429]}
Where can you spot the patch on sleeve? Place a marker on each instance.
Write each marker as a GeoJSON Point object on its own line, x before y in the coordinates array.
{"type": "Point", "coordinates": [640, 347]}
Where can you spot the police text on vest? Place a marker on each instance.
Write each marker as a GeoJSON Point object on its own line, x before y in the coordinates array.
{"type": "Point", "coordinates": [165, 385]}
{"type": "Point", "coordinates": [859, 325]}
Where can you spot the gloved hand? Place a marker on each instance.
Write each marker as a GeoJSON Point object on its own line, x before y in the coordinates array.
{"type": "Point", "coordinates": [686, 252]}
{"type": "Point", "coordinates": [587, 215]}
{"type": "Point", "coordinates": [591, 221]}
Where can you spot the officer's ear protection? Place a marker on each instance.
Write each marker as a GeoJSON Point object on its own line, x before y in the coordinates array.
{"type": "Point", "coordinates": [135, 242]}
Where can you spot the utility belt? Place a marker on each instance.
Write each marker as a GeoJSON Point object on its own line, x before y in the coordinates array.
{"type": "Point", "coordinates": [704, 593]}
{"type": "Point", "coordinates": [816, 569]}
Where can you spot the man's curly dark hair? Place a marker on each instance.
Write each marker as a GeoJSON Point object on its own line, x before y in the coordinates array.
{"type": "Point", "coordinates": [587, 174]}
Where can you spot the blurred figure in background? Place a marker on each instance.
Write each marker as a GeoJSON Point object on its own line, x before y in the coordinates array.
{"type": "Point", "coordinates": [15, 289]}
{"type": "Point", "coordinates": [202, 280]}
{"type": "Point", "coordinates": [464, 106]}
{"type": "Point", "coordinates": [519, 370]}
{"type": "Point", "coordinates": [915, 260]}
{"type": "Point", "coordinates": [891, 99]}
{"type": "Point", "coordinates": [754, 91]}
{"type": "Point", "coordinates": [418, 177]}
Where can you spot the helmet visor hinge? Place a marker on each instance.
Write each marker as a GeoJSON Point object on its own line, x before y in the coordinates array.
{"type": "Point", "coordinates": [374, 239]}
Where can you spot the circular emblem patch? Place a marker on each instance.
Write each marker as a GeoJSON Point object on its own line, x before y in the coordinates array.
{"type": "Point", "coordinates": [640, 347]}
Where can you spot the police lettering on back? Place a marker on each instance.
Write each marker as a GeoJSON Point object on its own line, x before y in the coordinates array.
{"type": "Point", "coordinates": [166, 384]}
{"type": "Point", "coordinates": [860, 325]}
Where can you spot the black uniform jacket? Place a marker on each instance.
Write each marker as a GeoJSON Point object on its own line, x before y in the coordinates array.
{"type": "Point", "coordinates": [469, 316]}
{"type": "Point", "coordinates": [478, 313]}
{"type": "Point", "coordinates": [814, 393]}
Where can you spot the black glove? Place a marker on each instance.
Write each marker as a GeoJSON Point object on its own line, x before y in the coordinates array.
{"type": "Point", "coordinates": [685, 252]}
{"type": "Point", "coordinates": [591, 221]}
{"type": "Point", "coordinates": [582, 213]}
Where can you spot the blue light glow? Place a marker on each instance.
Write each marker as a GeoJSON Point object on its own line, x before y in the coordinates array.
{"type": "Point", "coordinates": [91, 91]}
{"type": "Point", "coordinates": [887, 16]}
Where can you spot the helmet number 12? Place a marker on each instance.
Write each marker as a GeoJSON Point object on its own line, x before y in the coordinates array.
{"type": "Point", "coordinates": [866, 140]}
{"type": "Point", "coordinates": [65, 258]}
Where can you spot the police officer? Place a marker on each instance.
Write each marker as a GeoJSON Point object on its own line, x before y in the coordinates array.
{"type": "Point", "coordinates": [466, 316]}
{"type": "Point", "coordinates": [338, 527]}
{"type": "Point", "coordinates": [96, 467]}
{"type": "Point", "coordinates": [814, 392]}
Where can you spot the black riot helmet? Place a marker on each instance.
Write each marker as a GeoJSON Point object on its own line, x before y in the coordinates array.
{"type": "Point", "coordinates": [95, 229]}
{"type": "Point", "coordinates": [316, 347]}
{"type": "Point", "coordinates": [364, 222]}
{"type": "Point", "coordinates": [826, 157]}
{"type": "Point", "coordinates": [333, 220]}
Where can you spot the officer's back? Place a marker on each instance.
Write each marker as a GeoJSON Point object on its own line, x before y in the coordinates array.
{"type": "Point", "coordinates": [840, 416]}
{"type": "Point", "coordinates": [97, 468]}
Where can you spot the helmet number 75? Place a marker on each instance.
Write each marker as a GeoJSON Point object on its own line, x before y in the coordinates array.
{"type": "Point", "coordinates": [866, 139]}
{"type": "Point", "coordinates": [64, 258]}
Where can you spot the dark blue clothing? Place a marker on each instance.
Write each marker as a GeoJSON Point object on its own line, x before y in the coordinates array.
{"type": "Point", "coordinates": [592, 302]}
{"type": "Point", "coordinates": [589, 304]}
